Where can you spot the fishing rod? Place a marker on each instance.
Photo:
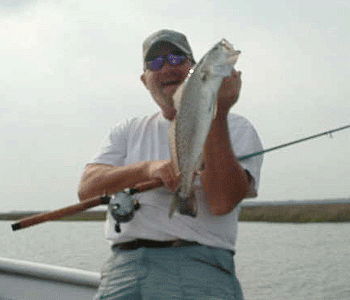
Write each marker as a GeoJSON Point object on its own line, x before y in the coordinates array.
{"type": "Point", "coordinates": [123, 202]}
{"type": "Point", "coordinates": [329, 132]}
{"type": "Point", "coordinates": [84, 205]}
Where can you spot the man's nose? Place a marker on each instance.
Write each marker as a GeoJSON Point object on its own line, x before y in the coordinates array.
{"type": "Point", "coordinates": [167, 66]}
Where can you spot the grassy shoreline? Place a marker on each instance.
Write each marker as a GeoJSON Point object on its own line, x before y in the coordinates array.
{"type": "Point", "coordinates": [290, 213]}
{"type": "Point", "coordinates": [297, 213]}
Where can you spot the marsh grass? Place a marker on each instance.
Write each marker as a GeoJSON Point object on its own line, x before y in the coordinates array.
{"type": "Point", "coordinates": [301, 213]}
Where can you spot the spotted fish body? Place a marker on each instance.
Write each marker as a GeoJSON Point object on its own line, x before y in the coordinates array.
{"type": "Point", "coordinates": [195, 101]}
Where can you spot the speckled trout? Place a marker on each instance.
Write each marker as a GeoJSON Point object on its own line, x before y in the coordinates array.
{"type": "Point", "coordinates": [195, 101]}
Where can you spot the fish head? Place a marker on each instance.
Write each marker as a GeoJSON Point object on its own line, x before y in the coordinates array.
{"type": "Point", "coordinates": [219, 61]}
{"type": "Point", "coordinates": [230, 52]}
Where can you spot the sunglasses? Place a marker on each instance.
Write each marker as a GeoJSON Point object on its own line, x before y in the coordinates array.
{"type": "Point", "coordinates": [158, 62]}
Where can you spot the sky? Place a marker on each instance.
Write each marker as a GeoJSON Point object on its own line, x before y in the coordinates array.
{"type": "Point", "coordinates": [69, 70]}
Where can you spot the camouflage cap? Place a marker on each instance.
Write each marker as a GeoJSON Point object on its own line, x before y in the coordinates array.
{"type": "Point", "coordinates": [178, 39]}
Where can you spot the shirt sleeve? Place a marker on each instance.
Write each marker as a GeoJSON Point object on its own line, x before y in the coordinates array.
{"type": "Point", "coordinates": [245, 140]}
{"type": "Point", "coordinates": [114, 147]}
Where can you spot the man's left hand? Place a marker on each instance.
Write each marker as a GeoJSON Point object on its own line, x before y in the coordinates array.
{"type": "Point", "coordinates": [229, 92]}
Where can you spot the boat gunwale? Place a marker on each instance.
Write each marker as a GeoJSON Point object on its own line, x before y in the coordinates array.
{"type": "Point", "coordinates": [49, 272]}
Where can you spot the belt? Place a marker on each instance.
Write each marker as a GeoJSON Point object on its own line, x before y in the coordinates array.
{"type": "Point", "coordinates": [141, 243]}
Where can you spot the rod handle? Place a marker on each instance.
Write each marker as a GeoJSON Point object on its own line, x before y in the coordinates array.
{"type": "Point", "coordinates": [76, 208]}
{"type": "Point", "coordinates": [56, 214]}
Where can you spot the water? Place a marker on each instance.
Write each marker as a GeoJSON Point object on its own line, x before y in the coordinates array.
{"type": "Point", "coordinates": [294, 261]}
{"type": "Point", "coordinates": [273, 261]}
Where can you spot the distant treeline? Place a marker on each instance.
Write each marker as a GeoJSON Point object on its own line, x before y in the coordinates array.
{"type": "Point", "coordinates": [295, 213]}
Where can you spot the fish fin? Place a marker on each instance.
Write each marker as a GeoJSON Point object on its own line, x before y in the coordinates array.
{"type": "Point", "coordinates": [199, 163]}
{"type": "Point", "coordinates": [172, 145]}
{"type": "Point", "coordinates": [178, 95]}
{"type": "Point", "coordinates": [173, 207]}
{"type": "Point", "coordinates": [215, 109]}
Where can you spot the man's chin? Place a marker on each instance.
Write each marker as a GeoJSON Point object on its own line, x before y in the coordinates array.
{"type": "Point", "coordinates": [170, 90]}
{"type": "Point", "coordinates": [170, 113]}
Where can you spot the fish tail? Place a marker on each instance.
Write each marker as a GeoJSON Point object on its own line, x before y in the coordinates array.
{"type": "Point", "coordinates": [183, 206]}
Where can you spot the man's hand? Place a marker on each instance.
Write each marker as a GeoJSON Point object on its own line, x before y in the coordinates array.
{"type": "Point", "coordinates": [100, 179]}
{"type": "Point", "coordinates": [229, 92]}
{"type": "Point", "coordinates": [166, 172]}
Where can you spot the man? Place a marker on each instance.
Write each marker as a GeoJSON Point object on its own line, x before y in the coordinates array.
{"type": "Point", "coordinates": [155, 257]}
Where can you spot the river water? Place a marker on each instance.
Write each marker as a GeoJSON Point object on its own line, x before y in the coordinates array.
{"type": "Point", "coordinates": [273, 261]}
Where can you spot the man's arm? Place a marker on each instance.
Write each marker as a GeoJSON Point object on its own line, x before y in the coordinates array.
{"type": "Point", "coordinates": [99, 179]}
{"type": "Point", "coordinates": [225, 182]}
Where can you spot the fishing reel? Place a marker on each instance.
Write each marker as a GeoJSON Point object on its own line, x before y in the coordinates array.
{"type": "Point", "coordinates": [122, 208]}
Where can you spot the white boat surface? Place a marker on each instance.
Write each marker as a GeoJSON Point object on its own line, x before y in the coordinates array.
{"type": "Point", "coordinates": [23, 280]}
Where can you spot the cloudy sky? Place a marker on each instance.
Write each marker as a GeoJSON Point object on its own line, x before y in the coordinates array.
{"type": "Point", "coordinates": [70, 69]}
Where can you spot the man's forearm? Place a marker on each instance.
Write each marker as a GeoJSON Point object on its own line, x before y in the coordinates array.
{"type": "Point", "coordinates": [99, 180]}
{"type": "Point", "coordinates": [225, 181]}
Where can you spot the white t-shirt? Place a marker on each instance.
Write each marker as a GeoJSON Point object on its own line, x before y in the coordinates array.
{"type": "Point", "coordinates": [144, 139]}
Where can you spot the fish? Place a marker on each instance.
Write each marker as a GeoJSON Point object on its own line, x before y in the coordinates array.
{"type": "Point", "coordinates": [196, 104]}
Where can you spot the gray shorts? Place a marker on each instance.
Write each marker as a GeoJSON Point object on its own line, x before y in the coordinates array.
{"type": "Point", "coordinates": [196, 272]}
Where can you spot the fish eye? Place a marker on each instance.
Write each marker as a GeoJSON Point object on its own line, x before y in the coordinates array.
{"type": "Point", "coordinates": [204, 76]}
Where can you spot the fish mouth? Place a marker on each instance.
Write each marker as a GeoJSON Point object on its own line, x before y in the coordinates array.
{"type": "Point", "coordinates": [232, 53]}
{"type": "Point", "coordinates": [233, 57]}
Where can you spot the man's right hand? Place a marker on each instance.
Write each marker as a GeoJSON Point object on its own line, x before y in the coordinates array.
{"type": "Point", "coordinates": [100, 179]}
{"type": "Point", "coordinates": [166, 172]}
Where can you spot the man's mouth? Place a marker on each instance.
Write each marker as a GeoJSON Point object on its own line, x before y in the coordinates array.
{"type": "Point", "coordinates": [171, 83]}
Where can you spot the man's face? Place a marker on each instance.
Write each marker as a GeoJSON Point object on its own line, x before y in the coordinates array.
{"type": "Point", "coordinates": [163, 83]}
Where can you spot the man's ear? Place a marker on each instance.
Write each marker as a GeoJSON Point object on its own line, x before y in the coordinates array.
{"type": "Point", "coordinates": [143, 79]}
